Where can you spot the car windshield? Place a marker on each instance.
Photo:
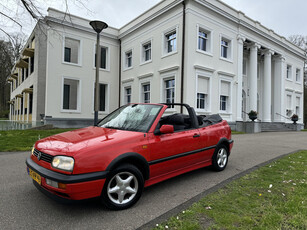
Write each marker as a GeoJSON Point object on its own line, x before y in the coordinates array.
{"type": "Point", "coordinates": [135, 117]}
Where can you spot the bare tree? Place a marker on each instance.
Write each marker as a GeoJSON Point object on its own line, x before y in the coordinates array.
{"type": "Point", "coordinates": [9, 52]}
{"type": "Point", "coordinates": [301, 41]}
{"type": "Point", "coordinates": [21, 14]}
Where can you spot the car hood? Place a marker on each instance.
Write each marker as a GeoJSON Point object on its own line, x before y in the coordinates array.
{"type": "Point", "coordinates": [84, 140]}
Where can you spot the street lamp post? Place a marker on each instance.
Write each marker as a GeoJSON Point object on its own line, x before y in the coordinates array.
{"type": "Point", "coordinates": [98, 26]}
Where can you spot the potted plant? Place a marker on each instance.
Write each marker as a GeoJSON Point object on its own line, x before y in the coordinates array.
{"type": "Point", "coordinates": [294, 118]}
{"type": "Point", "coordinates": [252, 115]}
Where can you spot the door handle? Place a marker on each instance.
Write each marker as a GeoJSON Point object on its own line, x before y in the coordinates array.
{"type": "Point", "coordinates": [196, 135]}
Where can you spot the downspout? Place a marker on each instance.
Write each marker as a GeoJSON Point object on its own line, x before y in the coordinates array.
{"type": "Point", "coordinates": [120, 72]}
{"type": "Point", "coordinates": [182, 55]}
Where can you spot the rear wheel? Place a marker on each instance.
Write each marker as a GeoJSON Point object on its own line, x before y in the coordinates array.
{"type": "Point", "coordinates": [123, 187]}
{"type": "Point", "coordinates": [220, 158]}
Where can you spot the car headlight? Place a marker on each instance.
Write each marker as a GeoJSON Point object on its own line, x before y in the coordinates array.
{"type": "Point", "coordinates": [32, 151]}
{"type": "Point", "coordinates": [63, 163]}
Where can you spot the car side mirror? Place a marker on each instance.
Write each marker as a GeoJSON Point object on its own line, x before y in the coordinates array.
{"type": "Point", "coordinates": [166, 129]}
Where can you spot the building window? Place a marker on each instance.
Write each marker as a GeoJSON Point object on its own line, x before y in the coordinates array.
{"type": "Point", "coordinates": [223, 103]}
{"type": "Point", "coordinates": [146, 52]}
{"type": "Point", "coordinates": [102, 97]}
{"type": "Point", "coordinates": [224, 96]}
{"type": "Point", "coordinates": [146, 93]}
{"type": "Point", "coordinates": [202, 92]}
{"type": "Point", "coordinates": [297, 106]}
{"type": "Point", "coordinates": [201, 100]}
{"type": "Point", "coordinates": [103, 57]}
{"type": "Point", "coordinates": [128, 59]}
{"type": "Point", "coordinates": [289, 72]}
{"type": "Point", "coordinates": [169, 91]}
{"type": "Point", "coordinates": [298, 75]}
{"type": "Point", "coordinates": [289, 105]}
{"type": "Point", "coordinates": [128, 95]}
{"type": "Point", "coordinates": [225, 48]}
{"type": "Point", "coordinates": [70, 94]}
{"type": "Point", "coordinates": [204, 40]}
{"type": "Point", "coordinates": [171, 41]}
{"type": "Point", "coordinates": [71, 50]}
{"type": "Point", "coordinates": [67, 55]}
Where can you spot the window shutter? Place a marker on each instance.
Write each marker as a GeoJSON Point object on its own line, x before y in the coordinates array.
{"type": "Point", "coordinates": [203, 84]}
{"type": "Point", "coordinates": [225, 91]}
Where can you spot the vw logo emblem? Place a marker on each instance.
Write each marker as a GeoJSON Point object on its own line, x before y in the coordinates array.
{"type": "Point", "coordinates": [39, 155]}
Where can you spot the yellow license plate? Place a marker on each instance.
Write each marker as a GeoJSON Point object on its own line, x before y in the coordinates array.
{"type": "Point", "coordinates": [35, 176]}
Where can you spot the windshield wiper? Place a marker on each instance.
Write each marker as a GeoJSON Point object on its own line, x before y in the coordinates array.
{"type": "Point", "coordinates": [113, 127]}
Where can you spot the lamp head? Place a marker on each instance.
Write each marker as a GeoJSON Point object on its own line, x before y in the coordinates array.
{"type": "Point", "coordinates": [98, 26]}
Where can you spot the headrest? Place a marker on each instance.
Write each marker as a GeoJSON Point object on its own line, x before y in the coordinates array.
{"type": "Point", "coordinates": [176, 119]}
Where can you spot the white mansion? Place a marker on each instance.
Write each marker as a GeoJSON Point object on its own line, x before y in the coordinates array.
{"type": "Point", "coordinates": [200, 52]}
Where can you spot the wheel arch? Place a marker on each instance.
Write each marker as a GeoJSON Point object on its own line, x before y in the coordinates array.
{"type": "Point", "coordinates": [131, 158]}
{"type": "Point", "coordinates": [226, 142]}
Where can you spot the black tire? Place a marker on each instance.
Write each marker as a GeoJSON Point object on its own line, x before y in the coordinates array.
{"type": "Point", "coordinates": [220, 158]}
{"type": "Point", "coordinates": [123, 187]}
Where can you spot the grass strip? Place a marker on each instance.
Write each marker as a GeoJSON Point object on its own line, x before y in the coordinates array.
{"type": "Point", "coordinates": [237, 132]}
{"type": "Point", "coordinates": [23, 140]}
{"type": "Point", "coordinates": [272, 197]}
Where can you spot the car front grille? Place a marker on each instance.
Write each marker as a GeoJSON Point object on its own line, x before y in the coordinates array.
{"type": "Point", "coordinates": [42, 156]}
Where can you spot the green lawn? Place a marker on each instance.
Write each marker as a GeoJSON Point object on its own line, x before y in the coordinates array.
{"type": "Point", "coordinates": [236, 132]}
{"type": "Point", "coordinates": [272, 197]}
{"type": "Point", "coordinates": [23, 140]}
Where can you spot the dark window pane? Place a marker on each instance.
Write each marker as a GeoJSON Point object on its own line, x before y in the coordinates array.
{"type": "Point", "coordinates": [200, 101]}
{"type": "Point", "coordinates": [67, 56]}
{"type": "Point", "coordinates": [202, 44]}
{"type": "Point", "coordinates": [103, 59]}
{"type": "Point", "coordinates": [66, 97]}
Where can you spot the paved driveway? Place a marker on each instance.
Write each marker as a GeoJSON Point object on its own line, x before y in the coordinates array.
{"type": "Point", "coordinates": [22, 206]}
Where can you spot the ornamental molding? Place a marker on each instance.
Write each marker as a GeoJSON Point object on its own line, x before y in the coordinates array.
{"type": "Point", "coordinates": [200, 67]}
{"type": "Point", "coordinates": [168, 69]}
{"type": "Point", "coordinates": [241, 39]}
{"type": "Point", "coordinates": [145, 76]}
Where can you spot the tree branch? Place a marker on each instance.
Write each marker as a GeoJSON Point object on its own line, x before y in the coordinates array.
{"type": "Point", "coordinates": [11, 19]}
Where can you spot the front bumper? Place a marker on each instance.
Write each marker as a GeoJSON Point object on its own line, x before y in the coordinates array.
{"type": "Point", "coordinates": [78, 187]}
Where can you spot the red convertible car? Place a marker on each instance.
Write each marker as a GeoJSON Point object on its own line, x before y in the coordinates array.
{"type": "Point", "coordinates": [134, 147]}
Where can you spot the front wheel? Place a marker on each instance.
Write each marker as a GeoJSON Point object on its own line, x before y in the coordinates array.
{"type": "Point", "coordinates": [220, 158]}
{"type": "Point", "coordinates": [123, 187]}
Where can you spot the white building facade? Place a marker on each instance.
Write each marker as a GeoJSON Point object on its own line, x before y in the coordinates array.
{"type": "Point", "coordinates": [203, 53]}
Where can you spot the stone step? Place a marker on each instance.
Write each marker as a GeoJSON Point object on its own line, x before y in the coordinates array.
{"type": "Point", "coordinates": [277, 127]}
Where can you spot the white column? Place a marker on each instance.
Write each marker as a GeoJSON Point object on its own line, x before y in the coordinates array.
{"type": "Point", "coordinates": [253, 66]}
{"type": "Point", "coordinates": [28, 107]}
{"type": "Point", "coordinates": [267, 86]}
{"type": "Point", "coordinates": [240, 77]}
{"type": "Point", "coordinates": [19, 108]}
{"type": "Point", "coordinates": [23, 107]}
{"type": "Point", "coordinates": [279, 88]}
{"type": "Point", "coordinates": [14, 109]}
